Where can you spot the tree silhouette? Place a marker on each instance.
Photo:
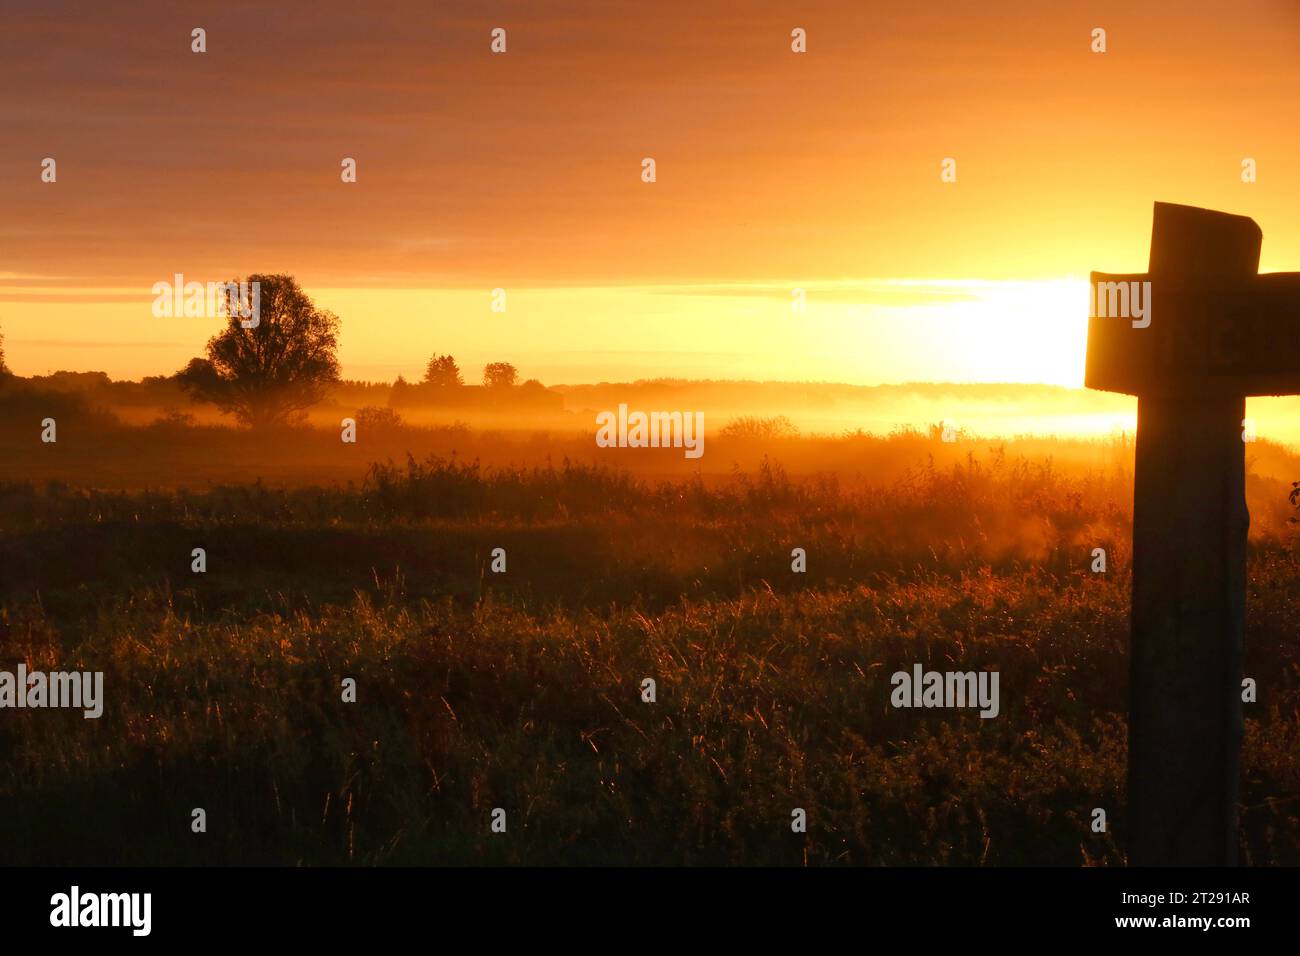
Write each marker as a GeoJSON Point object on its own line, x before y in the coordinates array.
{"type": "Point", "coordinates": [4, 369]}
{"type": "Point", "coordinates": [271, 373]}
{"type": "Point", "coordinates": [443, 372]}
{"type": "Point", "coordinates": [499, 375]}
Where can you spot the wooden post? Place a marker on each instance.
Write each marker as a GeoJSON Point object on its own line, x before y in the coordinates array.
{"type": "Point", "coordinates": [1189, 582]}
{"type": "Point", "coordinates": [1211, 333]}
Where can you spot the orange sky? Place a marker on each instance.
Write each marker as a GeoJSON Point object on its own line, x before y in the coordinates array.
{"type": "Point", "coordinates": [522, 171]}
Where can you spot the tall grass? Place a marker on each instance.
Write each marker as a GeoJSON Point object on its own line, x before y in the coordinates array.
{"type": "Point", "coordinates": [523, 690]}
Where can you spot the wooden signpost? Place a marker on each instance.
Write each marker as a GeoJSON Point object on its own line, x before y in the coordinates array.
{"type": "Point", "coordinates": [1192, 337]}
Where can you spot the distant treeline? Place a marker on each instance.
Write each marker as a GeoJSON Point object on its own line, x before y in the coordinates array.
{"type": "Point", "coordinates": [97, 390]}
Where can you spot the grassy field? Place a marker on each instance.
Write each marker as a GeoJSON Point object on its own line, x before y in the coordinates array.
{"type": "Point", "coordinates": [521, 690]}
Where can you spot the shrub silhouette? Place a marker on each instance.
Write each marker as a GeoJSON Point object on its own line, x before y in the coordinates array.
{"type": "Point", "coordinates": [377, 420]}
{"type": "Point", "coordinates": [754, 427]}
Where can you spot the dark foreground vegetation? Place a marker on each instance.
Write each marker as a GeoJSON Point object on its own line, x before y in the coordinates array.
{"type": "Point", "coordinates": [522, 690]}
